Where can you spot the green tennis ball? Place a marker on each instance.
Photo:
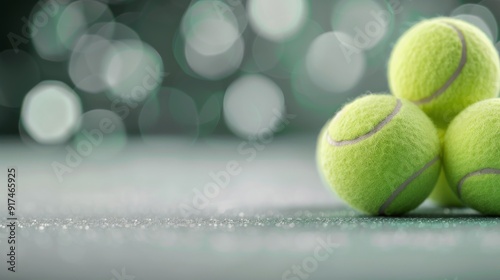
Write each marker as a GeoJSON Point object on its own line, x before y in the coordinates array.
{"type": "Point", "coordinates": [442, 194]}
{"type": "Point", "coordinates": [380, 154]}
{"type": "Point", "coordinates": [472, 156]}
{"type": "Point", "coordinates": [444, 65]}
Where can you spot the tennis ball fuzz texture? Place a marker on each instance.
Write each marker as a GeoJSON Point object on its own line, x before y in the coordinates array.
{"type": "Point", "coordinates": [380, 154]}
{"type": "Point", "coordinates": [444, 65]}
{"type": "Point", "coordinates": [472, 156]}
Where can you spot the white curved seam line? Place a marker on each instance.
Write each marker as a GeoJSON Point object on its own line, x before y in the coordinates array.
{"type": "Point", "coordinates": [377, 128]}
{"type": "Point", "coordinates": [483, 171]}
{"type": "Point", "coordinates": [463, 60]}
{"type": "Point", "coordinates": [403, 186]}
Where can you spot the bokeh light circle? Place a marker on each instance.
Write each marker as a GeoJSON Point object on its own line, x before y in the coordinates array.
{"type": "Point", "coordinates": [253, 105]}
{"type": "Point", "coordinates": [90, 60]}
{"type": "Point", "coordinates": [113, 31]}
{"type": "Point", "coordinates": [313, 99]}
{"type": "Point", "coordinates": [50, 112]}
{"type": "Point", "coordinates": [296, 48]}
{"type": "Point", "coordinates": [85, 67]}
{"type": "Point", "coordinates": [277, 20]}
{"type": "Point", "coordinates": [367, 22]}
{"type": "Point", "coordinates": [133, 71]}
{"type": "Point", "coordinates": [212, 37]}
{"type": "Point", "coordinates": [477, 22]}
{"type": "Point", "coordinates": [214, 67]}
{"type": "Point", "coordinates": [45, 37]}
{"type": "Point", "coordinates": [210, 27]}
{"type": "Point", "coordinates": [201, 11]}
{"type": "Point", "coordinates": [77, 17]}
{"type": "Point", "coordinates": [480, 16]}
{"type": "Point", "coordinates": [333, 63]}
{"type": "Point", "coordinates": [493, 6]}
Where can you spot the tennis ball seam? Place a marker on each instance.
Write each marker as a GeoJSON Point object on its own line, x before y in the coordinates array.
{"type": "Point", "coordinates": [454, 76]}
{"type": "Point", "coordinates": [405, 184]}
{"type": "Point", "coordinates": [483, 171]}
{"type": "Point", "coordinates": [376, 129]}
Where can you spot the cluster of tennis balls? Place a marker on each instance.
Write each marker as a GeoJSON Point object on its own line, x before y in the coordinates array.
{"type": "Point", "coordinates": [438, 133]}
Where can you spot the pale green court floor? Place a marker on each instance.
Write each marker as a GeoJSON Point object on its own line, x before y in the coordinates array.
{"type": "Point", "coordinates": [132, 216]}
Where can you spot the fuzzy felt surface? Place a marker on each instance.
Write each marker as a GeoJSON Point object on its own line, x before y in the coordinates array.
{"type": "Point", "coordinates": [426, 61]}
{"type": "Point", "coordinates": [369, 109]}
{"type": "Point", "coordinates": [403, 152]}
{"type": "Point", "coordinates": [472, 153]}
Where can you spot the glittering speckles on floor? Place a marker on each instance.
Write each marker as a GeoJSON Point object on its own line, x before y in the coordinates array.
{"type": "Point", "coordinates": [140, 216]}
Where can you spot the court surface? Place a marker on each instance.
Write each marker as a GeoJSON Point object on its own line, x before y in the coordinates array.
{"type": "Point", "coordinates": [140, 214]}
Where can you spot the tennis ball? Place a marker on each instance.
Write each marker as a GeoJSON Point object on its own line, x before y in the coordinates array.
{"type": "Point", "coordinates": [380, 154]}
{"type": "Point", "coordinates": [472, 156]}
{"type": "Point", "coordinates": [442, 194]}
{"type": "Point", "coordinates": [444, 65]}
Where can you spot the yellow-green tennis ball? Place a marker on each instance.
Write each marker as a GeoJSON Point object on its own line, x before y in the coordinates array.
{"type": "Point", "coordinates": [442, 194]}
{"type": "Point", "coordinates": [380, 154]}
{"type": "Point", "coordinates": [444, 65]}
{"type": "Point", "coordinates": [472, 156]}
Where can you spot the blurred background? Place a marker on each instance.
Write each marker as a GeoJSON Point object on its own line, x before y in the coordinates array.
{"type": "Point", "coordinates": [198, 69]}
{"type": "Point", "coordinates": [142, 132]}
